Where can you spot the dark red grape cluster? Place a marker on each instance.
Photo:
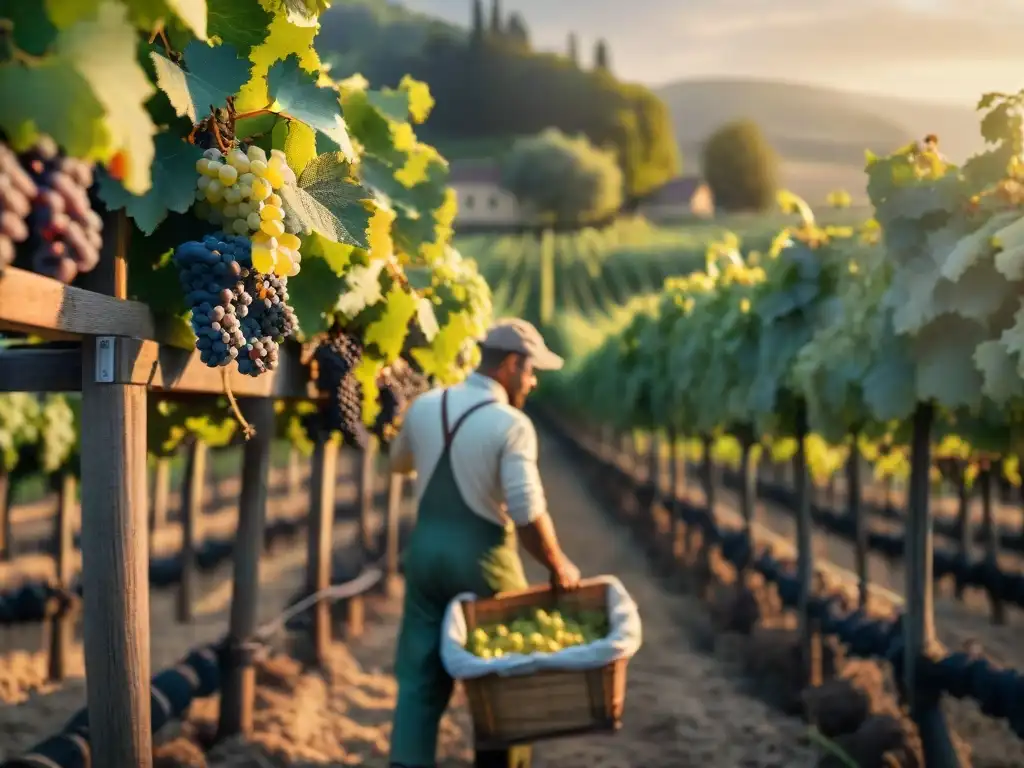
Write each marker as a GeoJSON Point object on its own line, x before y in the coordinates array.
{"type": "Point", "coordinates": [399, 386]}
{"type": "Point", "coordinates": [337, 358]}
{"type": "Point", "coordinates": [67, 232]}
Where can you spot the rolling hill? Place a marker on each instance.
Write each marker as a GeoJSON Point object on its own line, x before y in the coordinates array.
{"type": "Point", "coordinates": [819, 133]}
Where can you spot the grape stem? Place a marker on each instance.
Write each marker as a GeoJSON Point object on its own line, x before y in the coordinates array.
{"type": "Point", "coordinates": [247, 429]}
{"type": "Point", "coordinates": [161, 35]}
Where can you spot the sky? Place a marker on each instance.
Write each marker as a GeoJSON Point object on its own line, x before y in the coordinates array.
{"type": "Point", "coordinates": [945, 51]}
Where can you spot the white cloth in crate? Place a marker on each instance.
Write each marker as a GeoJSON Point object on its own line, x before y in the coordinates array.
{"type": "Point", "coordinates": [622, 642]}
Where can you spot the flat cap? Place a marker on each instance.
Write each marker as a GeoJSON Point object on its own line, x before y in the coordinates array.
{"type": "Point", "coordinates": [515, 335]}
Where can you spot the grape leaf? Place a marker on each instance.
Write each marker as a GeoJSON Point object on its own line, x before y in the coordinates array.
{"type": "Point", "coordinates": [33, 29]}
{"type": "Point", "coordinates": [282, 40]}
{"type": "Point", "coordinates": [327, 201]}
{"type": "Point", "coordinates": [297, 12]}
{"type": "Point", "coordinates": [54, 99]}
{"type": "Point", "coordinates": [439, 358]}
{"type": "Point", "coordinates": [363, 283]}
{"type": "Point", "coordinates": [388, 333]}
{"type": "Point", "coordinates": [103, 51]}
{"type": "Point", "coordinates": [394, 105]}
{"type": "Point", "coordinates": [297, 93]}
{"type": "Point", "coordinates": [174, 185]}
{"type": "Point", "coordinates": [298, 142]}
{"type": "Point", "coordinates": [337, 255]}
{"type": "Point", "coordinates": [421, 103]}
{"type": "Point", "coordinates": [211, 75]}
{"type": "Point", "coordinates": [313, 293]}
{"type": "Point", "coordinates": [239, 23]}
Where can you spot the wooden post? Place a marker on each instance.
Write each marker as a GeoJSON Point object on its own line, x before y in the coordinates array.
{"type": "Point", "coordinates": [191, 513]}
{"type": "Point", "coordinates": [860, 524]}
{"type": "Point", "coordinates": [965, 529]}
{"type": "Point", "coordinates": [115, 565]}
{"type": "Point", "coordinates": [294, 471]}
{"type": "Point", "coordinates": [748, 483]}
{"type": "Point", "coordinates": [991, 532]}
{"type": "Point", "coordinates": [322, 483]}
{"type": "Point", "coordinates": [919, 619]}
{"type": "Point", "coordinates": [393, 524]}
{"type": "Point", "coordinates": [810, 658]}
{"type": "Point", "coordinates": [62, 626]}
{"type": "Point", "coordinates": [5, 514]}
{"type": "Point", "coordinates": [236, 708]}
{"type": "Point", "coordinates": [367, 476]}
{"type": "Point", "coordinates": [161, 496]}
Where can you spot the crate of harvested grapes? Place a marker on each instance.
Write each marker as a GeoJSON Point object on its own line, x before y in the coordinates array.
{"type": "Point", "coordinates": [541, 664]}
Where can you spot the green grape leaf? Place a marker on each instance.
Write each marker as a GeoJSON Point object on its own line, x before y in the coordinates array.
{"type": "Point", "coordinates": [52, 98]}
{"type": "Point", "coordinates": [212, 74]}
{"type": "Point", "coordinates": [313, 293]}
{"type": "Point", "coordinates": [174, 185]}
{"type": "Point", "coordinates": [298, 12]}
{"type": "Point", "coordinates": [394, 105]}
{"type": "Point", "coordinates": [389, 331]}
{"type": "Point", "coordinates": [426, 319]}
{"type": "Point", "coordinates": [32, 28]}
{"type": "Point", "coordinates": [298, 142]}
{"type": "Point", "coordinates": [327, 201]}
{"type": "Point", "coordinates": [104, 53]}
{"type": "Point", "coordinates": [281, 41]}
{"type": "Point", "coordinates": [239, 23]}
{"type": "Point", "coordinates": [337, 255]}
{"type": "Point", "coordinates": [297, 93]}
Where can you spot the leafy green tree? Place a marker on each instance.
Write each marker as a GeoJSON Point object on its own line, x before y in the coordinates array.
{"type": "Point", "coordinates": [602, 58]}
{"type": "Point", "coordinates": [741, 167]}
{"type": "Point", "coordinates": [516, 31]}
{"type": "Point", "coordinates": [563, 179]}
{"type": "Point", "coordinates": [573, 49]}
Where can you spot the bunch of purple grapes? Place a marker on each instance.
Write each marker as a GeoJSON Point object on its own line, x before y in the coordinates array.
{"type": "Point", "coordinates": [68, 233]}
{"type": "Point", "coordinates": [17, 192]}
{"type": "Point", "coordinates": [337, 358]}
{"type": "Point", "coordinates": [230, 304]}
{"type": "Point", "coordinates": [400, 386]}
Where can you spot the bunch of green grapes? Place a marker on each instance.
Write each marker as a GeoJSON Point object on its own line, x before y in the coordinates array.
{"type": "Point", "coordinates": [540, 632]}
{"type": "Point", "coordinates": [238, 193]}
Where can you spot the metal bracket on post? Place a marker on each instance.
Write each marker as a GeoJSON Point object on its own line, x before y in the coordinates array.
{"type": "Point", "coordinates": [105, 346]}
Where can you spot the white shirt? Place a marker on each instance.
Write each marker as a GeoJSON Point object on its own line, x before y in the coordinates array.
{"type": "Point", "coordinates": [493, 455]}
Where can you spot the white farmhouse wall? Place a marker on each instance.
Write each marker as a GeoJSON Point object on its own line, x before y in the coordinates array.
{"type": "Point", "coordinates": [485, 203]}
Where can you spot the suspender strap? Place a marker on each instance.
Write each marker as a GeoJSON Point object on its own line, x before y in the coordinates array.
{"type": "Point", "coordinates": [449, 435]}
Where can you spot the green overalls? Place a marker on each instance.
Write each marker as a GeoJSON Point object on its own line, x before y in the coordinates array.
{"type": "Point", "coordinates": [451, 550]}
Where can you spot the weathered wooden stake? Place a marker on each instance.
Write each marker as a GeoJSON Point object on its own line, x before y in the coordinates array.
{"type": "Point", "coordinates": [991, 533]}
{"type": "Point", "coordinates": [161, 497]}
{"type": "Point", "coordinates": [5, 515]}
{"type": "Point", "coordinates": [809, 637]}
{"type": "Point", "coordinates": [965, 530]}
{"type": "Point", "coordinates": [322, 483]}
{"type": "Point", "coordinates": [919, 619]}
{"type": "Point", "coordinates": [393, 525]}
{"type": "Point", "coordinates": [191, 516]}
{"type": "Point", "coordinates": [367, 478]}
{"type": "Point", "coordinates": [237, 698]}
{"type": "Point", "coordinates": [748, 484]}
{"type": "Point", "coordinates": [294, 471]}
{"type": "Point", "coordinates": [62, 625]}
{"type": "Point", "coordinates": [855, 510]}
{"type": "Point", "coordinates": [115, 564]}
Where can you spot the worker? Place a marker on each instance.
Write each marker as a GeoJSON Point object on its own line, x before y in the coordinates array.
{"type": "Point", "coordinates": [479, 490]}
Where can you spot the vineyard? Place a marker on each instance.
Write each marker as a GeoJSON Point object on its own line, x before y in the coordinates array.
{"type": "Point", "coordinates": [220, 263]}
{"type": "Point", "coordinates": [206, 241]}
{"type": "Point", "coordinates": [892, 344]}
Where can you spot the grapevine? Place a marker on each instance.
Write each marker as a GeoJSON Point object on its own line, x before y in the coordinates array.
{"type": "Point", "coordinates": [328, 205]}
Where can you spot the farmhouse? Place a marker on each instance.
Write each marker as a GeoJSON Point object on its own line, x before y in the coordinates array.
{"type": "Point", "coordinates": [680, 198]}
{"type": "Point", "coordinates": [482, 201]}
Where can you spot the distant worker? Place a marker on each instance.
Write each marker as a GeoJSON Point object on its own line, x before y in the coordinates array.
{"type": "Point", "coordinates": [474, 453]}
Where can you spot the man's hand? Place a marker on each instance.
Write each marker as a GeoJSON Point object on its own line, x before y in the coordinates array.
{"type": "Point", "coordinates": [565, 575]}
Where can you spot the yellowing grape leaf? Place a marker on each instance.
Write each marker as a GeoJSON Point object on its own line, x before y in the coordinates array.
{"type": "Point", "coordinates": [174, 185]}
{"type": "Point", "coordinates": [439, 358]}
{"type": "Point", "coordinates": [282, 40]}
{"type": "Point", "coordinates": [103, 51]}
{"type": "Point", "coordinates": [211, 75]}
{"type": "Point", "coordinates": [388, 333]}
{"type": "Point", "coordinates": [366, 374]}
{"type": "Point", "coordinates": [297, 93]}
{"type": "Point", "coordinates": [298, 142]}
{"type": "Point", "coordinates": [420, 101]}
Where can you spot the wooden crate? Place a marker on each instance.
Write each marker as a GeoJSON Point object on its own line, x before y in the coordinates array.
{"type": "Point", "coordinates": [549, 704]}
